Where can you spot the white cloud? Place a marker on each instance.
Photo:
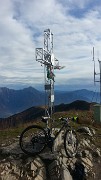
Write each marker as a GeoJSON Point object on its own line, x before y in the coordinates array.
{"type": "Point", "coordinates": [22, 25]}
{"type": "Point", "coordinates": [78, 3]}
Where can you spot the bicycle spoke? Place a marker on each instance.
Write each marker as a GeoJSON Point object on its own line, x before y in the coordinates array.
{"type": "Point", "coordinates": [33, 140]}
{"type": "Point", "coordinates": [70, 143]}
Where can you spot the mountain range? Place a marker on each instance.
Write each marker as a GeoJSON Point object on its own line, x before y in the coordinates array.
{"type": "Point", "coordinates": [35, 113]}
{"type": "Point", "coordinates": [15, 101]}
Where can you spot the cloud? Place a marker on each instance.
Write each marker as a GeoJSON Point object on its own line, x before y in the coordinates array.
{"type": "Point", "coordinates": [76, 26]}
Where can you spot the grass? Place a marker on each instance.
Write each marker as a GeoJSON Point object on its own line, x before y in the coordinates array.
{"type": "Point", "coordinates": [12, 133]}
{"type": "Point", "coordinates": [85, 119]}
{"type": "Point", "coordinates": [9, 134]}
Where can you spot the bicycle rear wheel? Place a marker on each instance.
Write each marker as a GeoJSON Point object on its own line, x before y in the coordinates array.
{"type": "Point", "coordinates": [70, 143]}
{"type": "Point", "coordinates": [33, 140]}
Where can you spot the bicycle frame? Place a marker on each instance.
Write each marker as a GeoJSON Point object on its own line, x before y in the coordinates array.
{"type": "Point", "coordinates": [51, 140]}
{"type": "Point", "coordinates": [44, 138]}
{"type": "Point", "coordinates": [57, 134]}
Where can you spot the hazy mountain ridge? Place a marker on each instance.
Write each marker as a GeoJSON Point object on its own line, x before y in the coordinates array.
{"type": "Point", "coordinates": [15, 101]}
{"type": "Point", "coordinates": [34, 113]}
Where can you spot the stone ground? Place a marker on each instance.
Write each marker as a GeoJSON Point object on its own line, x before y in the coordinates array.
{"type": "Point", "coordinates": [15, 165]}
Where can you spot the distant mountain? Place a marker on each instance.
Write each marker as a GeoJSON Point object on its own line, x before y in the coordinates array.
{"type": "Point", "coordinates": [76, 105]}
{"type": "Point", "coordinates": [15, 101]}
{"type": "Point", "coordinates": [70, 96]}
{"type": "Point", "coordinates": [34, 113]}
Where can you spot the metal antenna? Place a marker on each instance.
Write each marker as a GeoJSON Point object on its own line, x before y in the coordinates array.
{"type": "Point", "coordinates": [46, 57]}
{"type": "Point", "coordinates": [97, 73]}
{"type": "Point", "coordinates": [94, 65]}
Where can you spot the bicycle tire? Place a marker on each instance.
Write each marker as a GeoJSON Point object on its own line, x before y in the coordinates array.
{"type": "Point", "coordinates": [33, 140]}
{"type": "Point", "coordinates": [70, 143]}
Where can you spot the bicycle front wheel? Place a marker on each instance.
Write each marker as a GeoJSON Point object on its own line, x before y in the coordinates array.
{"type": "Point", "coordinates": [70, 143]}
{"type": "Point", "coordinates": [33, 140]}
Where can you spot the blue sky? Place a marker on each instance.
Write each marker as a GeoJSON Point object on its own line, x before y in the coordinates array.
{"type": "Point", "coordinates": [76, 26]}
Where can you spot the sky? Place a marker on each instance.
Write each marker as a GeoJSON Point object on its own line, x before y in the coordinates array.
{"type": "Point", "coordinates": [76, 28]}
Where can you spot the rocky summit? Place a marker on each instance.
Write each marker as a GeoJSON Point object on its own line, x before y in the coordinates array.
{"type": "Point", "coordinates": [15, 165]}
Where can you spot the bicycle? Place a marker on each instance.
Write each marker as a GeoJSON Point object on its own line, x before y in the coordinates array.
{"type": "Point", "coordinates": [34, 139]}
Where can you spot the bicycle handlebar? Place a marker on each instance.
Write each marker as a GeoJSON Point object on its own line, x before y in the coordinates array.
{"type": "Point", "coordinates": [75, 119]}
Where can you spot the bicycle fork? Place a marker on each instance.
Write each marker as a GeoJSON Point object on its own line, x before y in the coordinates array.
{"type": "Point", "coordinates": [70, 141]}
{"type": "Point", "coordinates": [49, 139]}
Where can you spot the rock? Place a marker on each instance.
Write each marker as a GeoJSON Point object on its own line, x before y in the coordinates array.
{"type": "Point", "coordinates": [27, 169]}
{"type": "Point", "coordinates": [13, 148]}
{"type": "Point", "coordinates": [9, 171]}
{"type": "Point", "coordinates": [65, 174]}
{"type": "Point", "coordinates": [14, 164]}
{"type": "Point", "coordinates": [96, 152]}
{"type": "Point", "coordinates": [92, 131]}
{"type": "Point", "coordinates": [48, 156]}
{"type": "Point", "coordinates": [54, 170]}
{"type": "Point", "coordinates": [85, 142]}
{"type": "Point", "coordinates": [86, 130]}
{"type": "Point", "coordinates": [71, 164]}
{"type": "Point", "coordinates": [87, 162]}
{"type": "Point", "coordinates": [86, 153]}
{"type": "Point", "coordinates": [88, 167]}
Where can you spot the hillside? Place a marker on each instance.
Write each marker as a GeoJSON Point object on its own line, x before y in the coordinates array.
{"type": "Point", "coordinates": [14, 164]}
{"type": "Point", "coordinates": [15, 101]}
{"type": "Point", "coordinates": [34, 113]}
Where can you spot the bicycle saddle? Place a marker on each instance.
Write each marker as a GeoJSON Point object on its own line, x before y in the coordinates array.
{"type": "Point", "coordinates": [45, 119]}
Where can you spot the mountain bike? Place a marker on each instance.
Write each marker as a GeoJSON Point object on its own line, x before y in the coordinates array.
{"type": "Point", "coordinates": [34, 139]}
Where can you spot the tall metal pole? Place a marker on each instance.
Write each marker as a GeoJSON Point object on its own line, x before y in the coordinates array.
{"type": "Point", "coordinates": [97, 74]}
{"type": "Point", "coordinates": [49, 79]}
{"type": "Point", "coordinates": [97, 107]}
{"type": "Point", "coordinates": [100, 80]}
{"type": "Point", "coordinates": [46, 57]}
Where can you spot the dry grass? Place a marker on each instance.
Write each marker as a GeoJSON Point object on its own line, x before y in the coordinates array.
{"type": "Point", "coordinates": [85, 119]}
